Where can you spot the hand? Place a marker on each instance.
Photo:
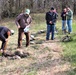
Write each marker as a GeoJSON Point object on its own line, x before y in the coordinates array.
{"type": "Point", "coordinates": [1, 51]}
{"type": "Point", "coordinates": [64, 15]}
{"type": "Point", "coordinates": [18, 26]}
{"type": "Point", "coordinates": [67, 13]}
{"type": "Point", "coordinates": [28, 25]}
{"type": "Point", "coordinates": [50, 22]}
{"type": "Point", "coordinates": [6, 39]}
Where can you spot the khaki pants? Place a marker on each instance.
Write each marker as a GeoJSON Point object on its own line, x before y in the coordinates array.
{"type": "Point", "coordinates": [20, 35]}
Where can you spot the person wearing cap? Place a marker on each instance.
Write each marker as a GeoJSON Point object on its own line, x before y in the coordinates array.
{"type": "Point", "coordinates": [22, 21]}
{"type": "Point", "coordinates": [4, 34]}
{"type": "Point", "coordinates": [50, 17]}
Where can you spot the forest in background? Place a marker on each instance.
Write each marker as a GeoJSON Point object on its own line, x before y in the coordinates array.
{"type": "Point", "coordinates": [11, 8]}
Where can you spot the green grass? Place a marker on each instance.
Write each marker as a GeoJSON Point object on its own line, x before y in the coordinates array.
{"type": "Point", "coordinates": [70, 47]}
{"type": "Point", "coordinates": [38, 22]}
{"type": "Point", "coordinates": [69, 50]}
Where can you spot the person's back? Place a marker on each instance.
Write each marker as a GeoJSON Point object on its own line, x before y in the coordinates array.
{"type": "Point", "coordinates": [2, 27]}
{"type": "Point", "coordinates": [3, 32]}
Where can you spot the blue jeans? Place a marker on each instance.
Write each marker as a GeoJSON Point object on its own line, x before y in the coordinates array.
{"type": "Point", "coordinates": [69, 24]}
{"type": "Point", "coordinates": [64, 25]}
{"type": "Point", "coordinates": [50, 29]}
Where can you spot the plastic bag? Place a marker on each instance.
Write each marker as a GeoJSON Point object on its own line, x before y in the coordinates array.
{"type": "Point", "coordinates": [26, 29]}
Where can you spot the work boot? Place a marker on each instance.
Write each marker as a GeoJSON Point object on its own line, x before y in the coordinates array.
{"type": "Point", "coordinates": [27, 45]}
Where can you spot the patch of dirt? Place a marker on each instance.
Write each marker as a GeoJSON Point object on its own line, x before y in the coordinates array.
{"type": "Point", "coordinates": [57, 65]}
{"type": "Point", "coordinates": [44, 59]}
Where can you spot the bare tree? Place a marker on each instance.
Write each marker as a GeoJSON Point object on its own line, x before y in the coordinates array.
{"type": "Point", "coordinates": [10, 8]}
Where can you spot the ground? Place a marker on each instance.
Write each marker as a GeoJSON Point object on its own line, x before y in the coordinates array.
{"type": "Point", "coordinates": [46, 58]}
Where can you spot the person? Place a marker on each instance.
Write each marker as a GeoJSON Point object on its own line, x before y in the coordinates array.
{"type": "Point", "coordinates": [4, 34]}
{"type": "Point", "coordinates": [22, 21]}
{"type": "Point", "coordinates": [69, 19]}
{"type": "Point", "coordinates": [56, 31]}
{"type": "Point", "coordinates": [63, 16]}
{"type": "Point", "coordinates": [50, 21]}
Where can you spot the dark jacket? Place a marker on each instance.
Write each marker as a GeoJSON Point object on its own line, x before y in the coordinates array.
{"type": "Point", "coordinates": [51, 16]}
{"type": "Point", "coordinates": [22, 20]}
{"type": "Point", "coordinates": [62, 15]}
{"type": "Point", "coordinates": [3, 33]}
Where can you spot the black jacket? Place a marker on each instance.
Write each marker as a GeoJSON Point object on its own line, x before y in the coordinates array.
{"type": "Point", "coordinates": [3, 33]}
{"type": "Point", "coordinates": [62, 15]}
{"type": "Point", "coordinates": [51, 16]}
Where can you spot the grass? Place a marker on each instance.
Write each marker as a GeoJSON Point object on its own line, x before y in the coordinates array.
{"type": "Point", "coordinates": [38, 22]}
{"type": "Point", "coordinates": [69, 48]}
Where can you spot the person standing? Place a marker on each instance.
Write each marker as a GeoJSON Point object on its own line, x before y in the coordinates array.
{"type": "Point", "coordinates": [4, 34]}
{"type": "Point", "coordinates": [63, 16]}
{"type": "Point", "coordinates": [56, 31]}
{"type": "Point", "coordinates": [22, 21]}
{"type": "Point", "coordinates": [69, 19]}
{"type": "Point", "coordinates": [50, 21]}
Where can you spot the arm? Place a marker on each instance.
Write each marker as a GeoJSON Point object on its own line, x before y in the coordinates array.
{"type": "Point", "coordinates": [17, 21]}
{"type": "Point", "coordinates": [2, 35]}
{"type": "Point", "coordinates": [29, 20]}
{"type": "Point", "coordinates": [54, 18]}
{"type": "Point", "coordinates": [69, 14]}
{"type": "Point", "coordinates": [47, 17]}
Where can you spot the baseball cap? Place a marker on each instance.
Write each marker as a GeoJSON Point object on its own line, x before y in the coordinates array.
{"type": "Point", "coordinates": [12, 32]}
{"type": "Point", "coordinates": [27, 11]}
{"type": "Point", "coordinates": [52, 8]}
